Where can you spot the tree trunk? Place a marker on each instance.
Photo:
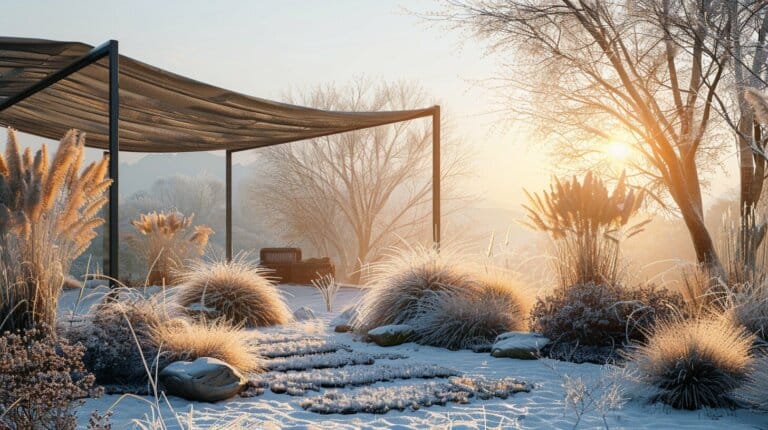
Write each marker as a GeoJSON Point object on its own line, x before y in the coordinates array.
{"type": "Point", "coordinates": [706, 253]}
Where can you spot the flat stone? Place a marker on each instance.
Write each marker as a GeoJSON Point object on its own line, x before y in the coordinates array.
{"type": "Point", "coordinates": [204, 380]}
{"type": "Point", "coordinates": [345, 318]}
{"type": "Point", "coordinates": [342, 328]}
{"type": "Point", "coordinates": [390, 335]}
{"type": "Point", "coordinates": [303, 314]}
{"type": "Point", "coordinates": [518, 344]}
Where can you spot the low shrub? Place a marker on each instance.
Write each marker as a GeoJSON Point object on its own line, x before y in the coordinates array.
{"type": "Point", "coordinates": [602, 315]}
{"type": "Point", "coordinates": [237, 290]}
{"type": "Point", "coordinates": [402, 282]}
{"type": "Point", "coordinates": [179, 340]}
{"type": "Point", "coordinates": [470, 318]}
{"type": "Point", "coordinates": [695, 363]}
{"type": "Point", "coordinates": [118, 338]}
{"type": "Point", "coordinates": [42, 379]}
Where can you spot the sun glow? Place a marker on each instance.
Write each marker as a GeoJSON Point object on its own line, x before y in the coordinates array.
{"type": "Point", "coordinates": [618, 151]}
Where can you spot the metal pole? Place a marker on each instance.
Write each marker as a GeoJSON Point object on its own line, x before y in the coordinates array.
{"type": "Point", "coordinates": [229, 205]}
{"type": "Point", "coordinates": [114, 156]}
{"type": "Point", "coordinates": [436, 176]}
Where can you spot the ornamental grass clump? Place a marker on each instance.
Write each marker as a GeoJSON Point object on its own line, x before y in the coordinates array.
{"type": "Point", "coordinates": [167, 242]}
{"type": "Point", "coordinates": [447, 303]}
{"type": "Point", "coordinates": [48, 215]}
{"type": "Point", "coordinates": [238, 291]}
{"type": "Point", "coordinates": [695, 363]}
{"type": "Point", "coordinates": [180, 340]}
{"type": "Point", "coordinates": [402, 281]}
{"type": "Point", "coordinates": [587, 224]}
{"type": "Point", "coordinates": [471, 318]}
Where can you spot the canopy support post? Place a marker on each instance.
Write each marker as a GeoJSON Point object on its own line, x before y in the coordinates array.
{"type": "Point", "coordinates": [436, 176]}
{"type": "Point", "coordinates": [229, 206]}
{"type": "Point", "coordinates": [114, 159]}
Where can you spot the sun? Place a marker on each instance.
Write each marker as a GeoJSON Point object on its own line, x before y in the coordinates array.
{"type": "Point", "coordinates": [618, 151]}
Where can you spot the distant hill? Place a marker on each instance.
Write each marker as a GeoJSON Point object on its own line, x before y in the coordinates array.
{"type": "Point", "coordinates": [141, 174]}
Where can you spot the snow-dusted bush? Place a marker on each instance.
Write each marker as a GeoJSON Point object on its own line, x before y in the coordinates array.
{"type": "Point", "coordinates": [602, 315]}
{"type": "Point", "coordinates": [747, 304]}
{"type": "Point", "coordinates": [236, 290]}
{"type": "Point", "coordinates": [695, 363]}
{"type": "Point", "coordinates": [42, 379]}
{"type": "Point", "coordinates": [179, 340]}
{"type": "Point", "coordinates": [471, 317]}
{"type": "Point", "coordinates": [400, 283]}
{"type": "Point", "coordinates": [117, 335]}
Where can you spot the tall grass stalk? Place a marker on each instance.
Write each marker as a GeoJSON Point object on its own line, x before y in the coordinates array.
{"type": "Point", "coordinates": [48, 217]}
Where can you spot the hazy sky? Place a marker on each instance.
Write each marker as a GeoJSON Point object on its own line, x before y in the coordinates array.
{"type": "Point", "coordinates": [265, 48]}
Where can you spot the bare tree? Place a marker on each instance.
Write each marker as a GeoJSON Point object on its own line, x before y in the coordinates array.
{"type": "Point", "coordinates": [643, 71]}
{"type": "Point", "coordinates": [352, 195]}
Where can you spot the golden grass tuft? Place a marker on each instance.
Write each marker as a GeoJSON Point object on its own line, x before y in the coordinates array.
{"type": "Point", "coordinates": [48, 213]}
{"type": "Point", "coordinates": [167, 241]}
{"type": "Point", "coordinates": [237, 291]}
{"type": "Point", "coordinates": [179, 340]}
{"type": "Point", "coordinates": [695, 363]}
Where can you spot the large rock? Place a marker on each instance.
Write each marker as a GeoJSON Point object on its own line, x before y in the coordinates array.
{"type": "Point", "coordinates": [391, 335]}
{"type": "Point", "coordinates": [204, 380]}
{"type": "Point", "coordinates": [518, 344]}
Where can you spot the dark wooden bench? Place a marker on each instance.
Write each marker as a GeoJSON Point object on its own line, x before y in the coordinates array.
{"type": "Point", "coordinates": [288, 267]}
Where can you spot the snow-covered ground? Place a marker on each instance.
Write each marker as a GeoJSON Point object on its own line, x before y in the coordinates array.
{"type": "Point", "coordinates": [544, 407]}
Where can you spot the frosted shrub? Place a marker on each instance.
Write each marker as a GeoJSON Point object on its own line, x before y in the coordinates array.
{"type": "Point", "coordinates": [117, 335]}
{"type": "Point", "coordinates": [48, 213]}
{"type": "Point", "coordinates": [42, 379]}
{"type": "Point", "coordinates": [695, 363]}
{"type": "Point", "coordinates": [236, 290]}
{"type": "Point", "coordinates": [602, 315]}
{"type": "Point", "coordinates": [166, 241]}
{"type": "Point", "coordinates": [755, 391]}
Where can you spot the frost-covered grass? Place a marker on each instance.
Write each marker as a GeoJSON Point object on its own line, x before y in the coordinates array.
{"type": "Point", "coordinates": [301, 347]}
{"type": "Point", "coordinates": [320, 361]}
{"type": "Point", "coordinates": [381, 400]}
{"type": "Point", "coordinates": [298, 383]}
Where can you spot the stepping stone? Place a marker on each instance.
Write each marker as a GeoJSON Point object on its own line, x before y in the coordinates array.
{"type": "Point", "coordinates": [204, 380]}
{"type": "Point", "coordinates": [391, 335]}
{"type": "Point", "coordinates": [518, 344]}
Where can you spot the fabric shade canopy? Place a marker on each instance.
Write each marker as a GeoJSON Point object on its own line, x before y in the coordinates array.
{"type": "Point", "coordinates": [159, 111]}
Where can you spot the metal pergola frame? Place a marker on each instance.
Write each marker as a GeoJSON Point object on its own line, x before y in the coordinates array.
{"type": "Point", "coordinates": [110, 51]}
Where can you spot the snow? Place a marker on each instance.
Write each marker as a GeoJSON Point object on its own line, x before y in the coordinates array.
{"type": "Point", "coordinates": [553, 402]}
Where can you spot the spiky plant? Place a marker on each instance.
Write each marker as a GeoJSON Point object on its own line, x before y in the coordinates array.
{"type": "Point", "coordinates": [587, 223]}
{"type": "Point", "coordinates": [695, 363]}
{"type": "Point", "coordinates": [238, 291]}
{"type": "Point", "coordinates": [167, 241]}
{"type": "Point", "coordinates": [48, 213]}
